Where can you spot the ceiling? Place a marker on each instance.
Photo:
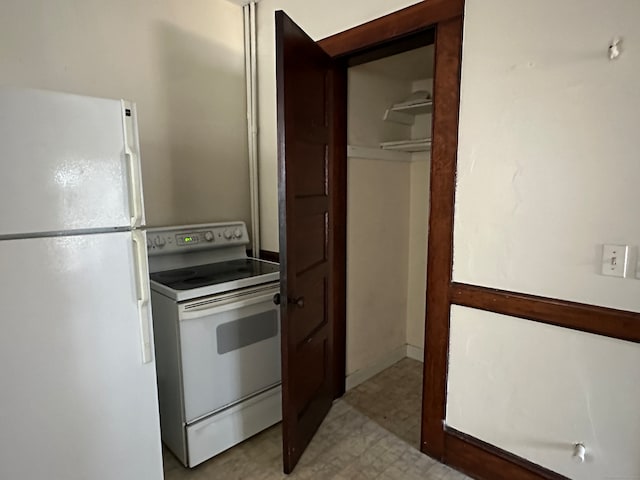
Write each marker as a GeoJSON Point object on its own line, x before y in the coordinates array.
{"type": "Point", "coordinates": [410, 65]}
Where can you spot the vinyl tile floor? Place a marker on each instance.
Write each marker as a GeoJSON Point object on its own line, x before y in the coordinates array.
{"type": "Point", "coordinates": [393, 399]}
{"type": "Point", "coordinates": [370, 433]}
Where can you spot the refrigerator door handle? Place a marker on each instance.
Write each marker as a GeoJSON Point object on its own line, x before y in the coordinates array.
{"type": "Point", "coordinates": [131, 150]}
{"type": "Point", "coordinates": [135, 196]}
{"type": "Point", "coordinates": [142, 289]}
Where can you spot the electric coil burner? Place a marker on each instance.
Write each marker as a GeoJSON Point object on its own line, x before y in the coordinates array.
{"type": "Point", "coordinates": [217, 337]}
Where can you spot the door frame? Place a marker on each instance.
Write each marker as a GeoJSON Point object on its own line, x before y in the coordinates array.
{"type": "Point", "coordinates": [442, 19]}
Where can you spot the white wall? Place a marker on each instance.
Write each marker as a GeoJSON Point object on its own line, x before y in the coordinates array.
{"type": "Point", "coordinates": [417, 257]}
{"type": "Point", "coordinates": [547, 171]}
{"type": "Point", "coordinates": [418, 227]}
{"type": "Point", "coordinates": [387, 211]}
{"type": "Point", "coordinates": [182, 62]}
{"type": "Point", "coordinates": [548, 129]}
{"type": "Point", "coordinates": [369, 95]}
{"type": "Point", "coordinates": [536, 390]}
{"type": "Point", "coordinates": [377, 255]}
{"type": "Point", "coordinates": [319, 20]}
{"type": "Point", "coordinates": [377, 225]}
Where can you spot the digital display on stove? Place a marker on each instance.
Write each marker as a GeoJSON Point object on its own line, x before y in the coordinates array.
{"type": "Point", "coordinates": [187, 239]}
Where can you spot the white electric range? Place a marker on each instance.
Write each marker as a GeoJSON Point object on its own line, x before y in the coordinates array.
{"type": "Point", "coordinates": [217, 338]}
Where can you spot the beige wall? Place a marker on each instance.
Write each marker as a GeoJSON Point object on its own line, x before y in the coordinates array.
{"type": "Point", "coordinates": [319, 20]}
{"type": "Point", "coordinates": [377, 225]}
{"type": "Point", "coordinates": [369, 95]}
{"type": "Point", "coordinates": [417, 257]}
{"type": "Point", "coordinates": [387, 212]}
{"type": "Point", "coordinates": [377, 255]}
{"type": "Point", "coordinates": [418, 228]}
{"type": "Point", "coordinates": [547, 172]}
{"type": "Point", "coordinates": [182, 62]}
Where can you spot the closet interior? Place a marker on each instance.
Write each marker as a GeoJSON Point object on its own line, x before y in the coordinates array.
{"type": "Point", "coordinates": [389, 137]}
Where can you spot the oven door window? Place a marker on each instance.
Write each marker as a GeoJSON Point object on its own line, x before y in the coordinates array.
{"type": "Point", "coordinates": [228, 353]}
{"type": "Point", "coordinates": [246, 331]}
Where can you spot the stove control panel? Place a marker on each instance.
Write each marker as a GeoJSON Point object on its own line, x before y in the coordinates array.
{"type": "Point", "coordinates": [196, 237]}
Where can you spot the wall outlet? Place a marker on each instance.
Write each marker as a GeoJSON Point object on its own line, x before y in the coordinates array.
{"type": "Point", "coordinates": [615, 259]}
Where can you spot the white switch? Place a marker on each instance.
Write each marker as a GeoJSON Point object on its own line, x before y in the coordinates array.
{"type": "Point", "coordinates": [614, 260]}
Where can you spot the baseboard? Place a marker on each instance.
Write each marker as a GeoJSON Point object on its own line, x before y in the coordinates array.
{"type": "Point", "coordinates": [484, 461]}
{"type": "Point", "coordinates": [416, 353]}
{"type": "Point", "coordinates": [360, 376]}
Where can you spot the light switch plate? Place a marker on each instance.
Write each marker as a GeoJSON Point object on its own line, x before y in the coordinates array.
{"type": "Point", "coordinates": [615, 260]}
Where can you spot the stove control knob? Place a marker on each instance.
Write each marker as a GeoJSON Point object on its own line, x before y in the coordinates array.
{"type": "Point", "coordinates": [237, 233]}
{"type": "Point", "coordinates": [208, 236]}
{"type": "Point", "coordinates": [227, 234]}
{"type": "Point", "coordinates": [159, 241]}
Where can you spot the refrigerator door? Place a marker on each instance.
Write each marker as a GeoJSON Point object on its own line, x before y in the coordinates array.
{"type": "Point", "coordinates": [69, 163]}
{"type": "Point", "coordinates": [78, 400]}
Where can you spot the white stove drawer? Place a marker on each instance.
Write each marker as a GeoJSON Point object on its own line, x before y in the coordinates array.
{"type": "Point", "coordinates": [216, 433]}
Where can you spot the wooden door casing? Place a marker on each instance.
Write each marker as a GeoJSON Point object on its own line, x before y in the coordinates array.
{"type": "Point", "coordinates": [457, 449]}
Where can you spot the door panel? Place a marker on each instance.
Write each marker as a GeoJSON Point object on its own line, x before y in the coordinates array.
{"type": "Point", "coordinates": [315, 305]}
{"type": "Point", "coordinates": [310, 381]}
{"type": "Point", "coordinates": [77, 396]}
{"type": "Point", "coordinates": [304, 133]}
{"type": "Point", "coordinates": [310, 177]}
{"type": "Point", "coordinates": [72, 159]}
{"type": "Point", "coordinates": [310, 241]}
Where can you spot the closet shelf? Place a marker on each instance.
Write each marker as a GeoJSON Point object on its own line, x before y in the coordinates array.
{"type": "Point", "coordinates": [415, 145]}
{"type": "Point", "coordinates": [418, 103]}
{"type": "Point", "coordinates": [376, 153]}
{"type": "Point", "coordinates": [413, 108]}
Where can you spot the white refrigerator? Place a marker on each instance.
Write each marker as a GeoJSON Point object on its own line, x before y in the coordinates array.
{"type": "Point", "coordinates": [78, 396]}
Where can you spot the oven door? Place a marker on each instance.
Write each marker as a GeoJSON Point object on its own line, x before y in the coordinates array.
{"type": "Point", "coordinates": [230, 348]}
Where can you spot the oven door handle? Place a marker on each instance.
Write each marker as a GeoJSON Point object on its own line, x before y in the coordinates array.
{"type": "Point", "coordinates": [194, 311]}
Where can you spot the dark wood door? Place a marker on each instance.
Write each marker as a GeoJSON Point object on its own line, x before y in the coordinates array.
{"type": "Point", "coordinates": [304, 90]}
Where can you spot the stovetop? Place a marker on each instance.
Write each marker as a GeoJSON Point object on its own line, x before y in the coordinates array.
{"type": "Point", "coordinates": [189, 262]}
{"type": "Point", "coordinates": [214, 273]}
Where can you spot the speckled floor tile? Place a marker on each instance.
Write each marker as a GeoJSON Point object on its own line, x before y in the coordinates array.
{"type": "Point", "coordinates": [398, 409]}
{"type": "Point", "coordinates": [357, 440]}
